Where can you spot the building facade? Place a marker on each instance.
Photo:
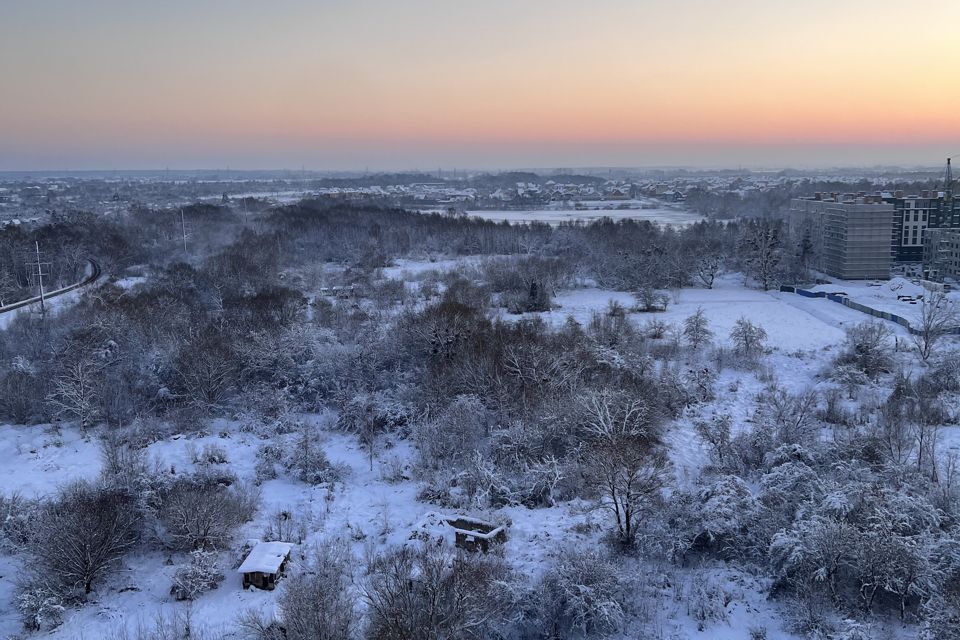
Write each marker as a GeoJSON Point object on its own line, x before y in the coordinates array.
{"type": "Point", "coordinates": [853, 234]}
{"type": "Point", "coordinates": [914, 215]}
{"type": "Point", "coordinates": [941, 255]}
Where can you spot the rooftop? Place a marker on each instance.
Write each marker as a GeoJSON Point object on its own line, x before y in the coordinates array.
{"type": "Point", "coordinates": [266, 557]}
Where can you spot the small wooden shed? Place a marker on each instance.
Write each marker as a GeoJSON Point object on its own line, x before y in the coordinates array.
{"type": "Point", "coordinates": [264, 564]}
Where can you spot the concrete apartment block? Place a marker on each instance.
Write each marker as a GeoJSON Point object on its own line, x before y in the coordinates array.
{"type": "Point", "coordinates": [852, 234]}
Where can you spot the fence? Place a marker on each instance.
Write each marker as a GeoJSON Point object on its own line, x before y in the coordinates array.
{"type": "Point", "coordinates": [847, 302]}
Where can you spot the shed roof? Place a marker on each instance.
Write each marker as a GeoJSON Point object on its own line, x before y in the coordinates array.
{"type": "Point", "coordinates": [266, 557]}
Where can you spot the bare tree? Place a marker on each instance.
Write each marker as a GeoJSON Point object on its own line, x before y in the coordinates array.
{"type": "Point", "coordinates": [436, 593]}
{"type": "Point", "coordinates": [938, 317]}
{"type": "Point", "coordinates": [628, 475]}
{"type": "Point", "coordinates": [8, 287]}
{"type": "Point", "coordinates": [199, 513]}
{"type": "Point", "coordinates": [83, 532]}
{"type": "Point", "coordinates": [75, 392]}
{"type": "Point", "coordinates": [610, 415]}
{"type": "Point", "coordinates": [318, 603]}
{"type": "Point", "coordinates": [707, 269]}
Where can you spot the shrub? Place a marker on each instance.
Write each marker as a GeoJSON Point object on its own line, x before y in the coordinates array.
{"type": "Point", "coordinates": [201, 575]}
{"type": "Point", "coordinates": [435, 591]}
{"type": "Point", "coordinates": [17, 516]}
{"type": "Point", "coordinates": [310, 464]}
{"type": "Point", "coordinates": [268, 456]}
{"type": "Point", "coordinates": [82, 533]}
{"type": "Point", "coordinates": [40, 608]}
{"type": "Point", "coordinates": [210, 454]}
{"type": "Point", "coordinates": [200, 513]}
{"type": "Point", "coordinates": [454, 435]}
{"type": "Point", "coordinates": [581, 595]}
{"type": "Point", "coordinates": [318, 602]}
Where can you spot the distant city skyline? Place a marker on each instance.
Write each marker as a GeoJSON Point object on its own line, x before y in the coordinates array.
{"type": "Point", "coordinates": [391, 85]}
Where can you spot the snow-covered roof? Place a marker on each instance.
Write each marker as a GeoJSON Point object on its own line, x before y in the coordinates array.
{"type": "Point", "coordinates": [266, 557]}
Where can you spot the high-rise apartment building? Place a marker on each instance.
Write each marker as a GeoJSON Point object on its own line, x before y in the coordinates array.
{"type": "Point", "coordinates": [852, 234]}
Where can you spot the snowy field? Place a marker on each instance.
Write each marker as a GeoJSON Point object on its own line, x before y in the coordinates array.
{"type": "Point", "coordinates": [791, 321]}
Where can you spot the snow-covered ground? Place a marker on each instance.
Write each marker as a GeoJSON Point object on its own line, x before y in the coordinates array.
{"type": "Point", "coordinates": [365, 509]}
{"type": "Point", "coordinates": [374, 512]}
{"type": "Point", "coordinates": [410, 270]}
{"type": "Point", "coordinates": [791, 321]}
{"type": "Point", "coordinates": [898, 295]}
{"type": "Point", "coordinates": [662, 215]}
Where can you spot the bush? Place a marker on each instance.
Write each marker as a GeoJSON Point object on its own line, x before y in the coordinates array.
{"type": "Point", "coordinates": [317, 602]}
{"type": "Point", "coordinates": [82, 533]}
{"type": "Point", "coordinates": [40, 608]}
{"type": "Point", "coordinates": [201, 575]}
{"type": "Point", "coordinates": [16, 520]}
{"type": "Point", "coordinates": [310, 464]}
{"type": "Point", "coordinates": [200, 513]}
{"type": "Point", "coordinates": [454, 435]}
{"type": "Point", "coordinates": [867, 349]}
{"type": "Point", "coordinates": [581, 595]}
{"type": "Point", "coordinates": [268, 456]}
{"type": "Point", "coordinates": [435, 591]}
{"type": "Point", "coordinates": [210, 454]}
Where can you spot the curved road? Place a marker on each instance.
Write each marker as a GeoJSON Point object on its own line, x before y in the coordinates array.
{"type": "Point", "coordinates": [95, 272]}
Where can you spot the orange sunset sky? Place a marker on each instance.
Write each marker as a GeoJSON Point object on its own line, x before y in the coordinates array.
{"type": "Point", "coordinates": [394, 84]}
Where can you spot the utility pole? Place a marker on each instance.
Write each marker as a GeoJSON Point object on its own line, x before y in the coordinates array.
{"type": "Point", "coordinates": [183, 231]}
{"type": "Point", "coordinates": [39, 269]}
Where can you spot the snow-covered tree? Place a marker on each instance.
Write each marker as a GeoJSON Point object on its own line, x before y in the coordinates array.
{"type": "Point", "coordinates": [83, 532]}
{"type": "Point", "coordinates": [200, 513]}
{"type": "Point", "coordinates": [201, 575]}
{"type": "Point", "coordinates": [696, 329]}
{"type": "Point", "coordinates": [760, 247]}
{"type": "Point", "coordinates": [716, 433]}
{"type": "Point", "coordinates": [580, 596]}
{"type": "Point", "coordinates": [435, 591]}
{"type": "Point", "coordinates": [75, 392]}
{"type": "Point", "coordinates": [318, 601]}
{"type": "Point", "coordinates": [748, 339]}
{"type": "Point", "coordinates": [867, 348]}
{"type": "Point", "coordinates": [707, 268]}
{"type": "Point", "coordinates": [938, 317]}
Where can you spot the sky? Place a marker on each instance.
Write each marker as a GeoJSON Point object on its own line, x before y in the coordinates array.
{"type": "Point", "coordinates": [484, 84]}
